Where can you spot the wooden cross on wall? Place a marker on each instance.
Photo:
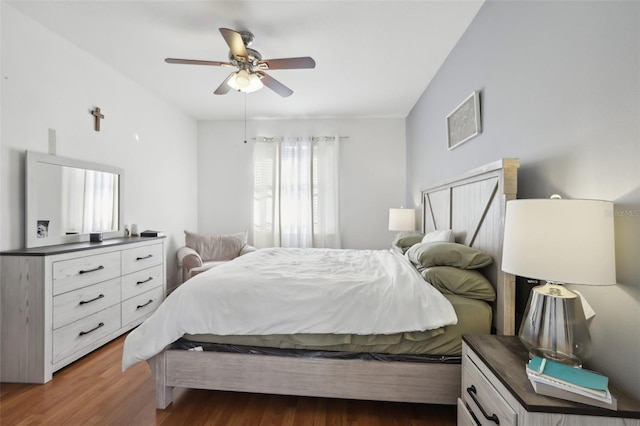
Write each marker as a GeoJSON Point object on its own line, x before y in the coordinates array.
{"type": "Point", "coordinates": [98, 115]}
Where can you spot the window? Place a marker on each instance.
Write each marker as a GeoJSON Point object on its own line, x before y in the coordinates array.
{"type": "Point", "coordinates": [296, 193]}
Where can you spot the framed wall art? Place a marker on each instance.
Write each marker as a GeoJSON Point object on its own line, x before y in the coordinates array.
{"type": "Point", "coordinates": [464, 122]}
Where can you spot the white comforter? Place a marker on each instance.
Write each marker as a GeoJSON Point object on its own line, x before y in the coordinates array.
{"type": "Point", "coordinates": [287, 291]}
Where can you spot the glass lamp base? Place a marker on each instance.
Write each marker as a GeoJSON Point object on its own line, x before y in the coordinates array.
{"type": "Point", "coordinates": [554, 326]}
{"type": "Point", "coordinates": [561, 357]}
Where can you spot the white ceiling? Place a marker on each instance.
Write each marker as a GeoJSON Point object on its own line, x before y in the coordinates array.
{"type": "Point", "coordinates": [374, 58]}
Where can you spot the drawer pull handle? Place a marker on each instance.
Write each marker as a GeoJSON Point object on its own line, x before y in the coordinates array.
{"type": "Point", "coordinates": [84, 302]}
{"type": "Point", "coordinates": [144, 281]}
{"type": "Point", "coordinates": [144, 257]}
{"type": "Point", "coordinates": [471, 390]}
{"type": "Point", "coordinates": [86, 271]}
{"type": "Point", "coordinates": [142, 306]}
{"type": "Point", "coordinates": [82, 333]}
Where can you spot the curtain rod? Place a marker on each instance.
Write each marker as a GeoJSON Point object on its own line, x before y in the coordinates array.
{"type": "Point", "coordinates": [297, 139]}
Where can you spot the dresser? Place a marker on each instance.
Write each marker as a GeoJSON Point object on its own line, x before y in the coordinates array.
{"type": "Point", "coordinates": [497, 391]}
{"type": "Point", "coordinates": [61, 302]}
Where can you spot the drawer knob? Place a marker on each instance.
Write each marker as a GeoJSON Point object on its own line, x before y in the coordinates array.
{"type": "Point", "coordinates": [144, 281]}
{"type": "Point", "coordinates": [82, 333]}
{"type": "Point", "coordinates": [144, 257]}
{"type": "Point", "coordinates": [86, 271]}
{"type": "Point", "coordinates": [142, 306]}
{"type": "Point", "coordinates": [84, 302]}
{"type": "Point", "coordinates": [471, 390]}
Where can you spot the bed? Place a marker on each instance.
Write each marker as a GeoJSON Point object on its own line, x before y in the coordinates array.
{"type": "Point", "coordinates": [473, 205]}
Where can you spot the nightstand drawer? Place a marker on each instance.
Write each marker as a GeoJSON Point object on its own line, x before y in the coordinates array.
{"type": "Point", "coordinates": [483, 400]}
{"type": "Point", "coordinates": [464, 416]}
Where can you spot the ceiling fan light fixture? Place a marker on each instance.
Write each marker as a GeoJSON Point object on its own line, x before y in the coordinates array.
{"type": "Point", "coordinates": [245, 82]}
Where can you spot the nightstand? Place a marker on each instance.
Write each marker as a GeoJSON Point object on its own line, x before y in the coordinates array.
{"type": "Point", "coordinates": [496, 390]}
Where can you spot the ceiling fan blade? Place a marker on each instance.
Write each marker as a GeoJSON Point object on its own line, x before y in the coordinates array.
{"type": "Point", "coordinates": [275, 85]}
{"type": "Point", "coordinates": [235, 42]}
{"type": "Point", "coordinates": [197, 62]}
{"type": "Point", "coordinates": [224, 88]}
{"type": "Point", "coordinates": [288, 63]}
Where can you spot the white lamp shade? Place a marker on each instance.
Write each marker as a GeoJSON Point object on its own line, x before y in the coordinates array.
{"type": "Point", "coordinates": [567, 241]}
{"type": "Point", "coordinates": [402, 220]}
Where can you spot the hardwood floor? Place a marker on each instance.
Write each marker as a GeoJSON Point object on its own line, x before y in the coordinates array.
{"type": "Point", "coordinates": [93, 391]}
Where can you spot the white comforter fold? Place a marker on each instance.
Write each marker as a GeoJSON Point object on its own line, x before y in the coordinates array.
{"type": "Point", "coordinates": [287, 291]}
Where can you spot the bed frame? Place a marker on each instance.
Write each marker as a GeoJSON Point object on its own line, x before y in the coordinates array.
{"type": "Point", "coordinates": [473, 205]}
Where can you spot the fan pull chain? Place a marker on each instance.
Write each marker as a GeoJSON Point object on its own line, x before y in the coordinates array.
{"type": "Point", "coordinates": [245, 118]}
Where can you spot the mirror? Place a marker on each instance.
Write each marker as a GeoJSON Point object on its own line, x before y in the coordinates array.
{"type": "Point", "coordinates": [67, 199]}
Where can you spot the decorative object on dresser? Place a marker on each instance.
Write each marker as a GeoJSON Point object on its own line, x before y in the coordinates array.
{"type": "Point", "coordinates": [495, 390]}
{"type": "Point", "coordinates": [150, 233]}
{"type": "Point", "coordinates": [61, 302]}
{"type": "Point", "coordinates": [473, 205]}
{"type": "Point", "coordinates": [402, 219]}
{"type": "Point", "coordinates": [464, 122]}
{"type": "Point", "coordinates": [560, 241]}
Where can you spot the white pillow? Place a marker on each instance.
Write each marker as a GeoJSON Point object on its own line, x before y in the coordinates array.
{"type": "Point", "coordinates": [444, 236]}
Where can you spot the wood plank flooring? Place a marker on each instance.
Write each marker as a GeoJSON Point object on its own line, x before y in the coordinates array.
{"type": "Point", "coordinates": [93, 391]}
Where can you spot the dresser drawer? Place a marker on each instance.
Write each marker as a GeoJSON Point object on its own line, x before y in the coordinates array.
{"type": "Point", "coordinates": [141, 281]}
{"type": "Point", "coordinates": [141, 306]}
{"type": "Point", "coordinates": [75, 273]}
{"type": "Point", "coordinates": [74, 305]}
{"type": "Point", "coordinates": [75, 336]}
{"type": "Point", "coordinates": [482, 399]}
{"type": "Point", "coordinates": [139, 258]}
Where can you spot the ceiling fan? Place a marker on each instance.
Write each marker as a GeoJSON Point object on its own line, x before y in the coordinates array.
{"type": "Point", "coordinates": [250, 75]}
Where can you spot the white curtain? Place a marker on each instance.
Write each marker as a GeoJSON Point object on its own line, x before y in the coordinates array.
{"type": "Point", "coordinates": [296, 200]}
{"type": "Point", "coordinates": [91, 202]}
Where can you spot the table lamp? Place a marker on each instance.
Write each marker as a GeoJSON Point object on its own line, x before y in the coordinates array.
{"type": "Point", "coordinates": [402, 219]}
{"type": "Point", "coordinates": [561, 242]}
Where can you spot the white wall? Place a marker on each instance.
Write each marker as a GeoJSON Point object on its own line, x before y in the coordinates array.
{"type": "Point", "coordinates": [48, 82]}
{"type": "Point", "coordinates": [559, 89]}
{"type": "Point", "coordinates": [372, 168]}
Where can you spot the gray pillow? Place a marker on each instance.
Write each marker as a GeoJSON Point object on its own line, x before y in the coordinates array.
{"type": "Point", "coordinates": [406, 239]}
{"type": "Point", "coordinates": [463, 282]}
{"type": "Point", "coordinates": [460, 256]}
{"type": "Point", "coordinates": [216, 247]}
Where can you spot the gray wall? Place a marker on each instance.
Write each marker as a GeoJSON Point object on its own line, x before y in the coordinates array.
{"type": "Point", "coordinates": [560, 86]}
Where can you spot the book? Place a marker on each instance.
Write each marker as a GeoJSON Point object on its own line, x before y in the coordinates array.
{"type": "Point", "coordinates": [149, 233]}
{"type": "Point", "coordinates": [572, 376]}
{"type": "Point", "coordinates": [602, 395]}
{"type": "Point", "coordinates": [558, 391]}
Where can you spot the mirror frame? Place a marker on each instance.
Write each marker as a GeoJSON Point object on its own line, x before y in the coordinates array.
{"type": "Point", "coordinates": [32, 159]}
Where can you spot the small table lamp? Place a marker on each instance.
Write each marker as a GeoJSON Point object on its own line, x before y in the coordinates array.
{"type": "Point", "coordinates": [560, 241]}
{"type": "Point", "coordinates": [402, 219]}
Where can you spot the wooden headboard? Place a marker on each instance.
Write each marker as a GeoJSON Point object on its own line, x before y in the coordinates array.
{"type": "Point", "coordinates": [474, 205]}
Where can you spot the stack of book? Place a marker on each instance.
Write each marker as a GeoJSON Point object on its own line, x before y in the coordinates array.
{"type": "Point", "coordinates": [571, 383]}
{"type": "Point", "coordinates": [150, 233]}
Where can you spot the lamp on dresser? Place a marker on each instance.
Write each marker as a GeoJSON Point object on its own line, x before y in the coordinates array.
{"type": "Point", "coordinates": [562, 242]}
{"type": "Point", "coordinates": [402, 219]}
